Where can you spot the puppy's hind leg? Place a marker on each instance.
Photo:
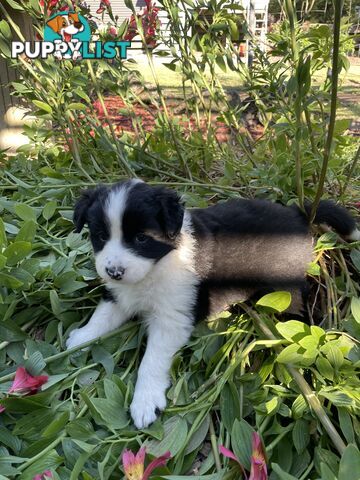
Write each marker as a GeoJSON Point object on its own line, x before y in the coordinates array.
{"type": "Point", "coordinates": [107, 317]}
{"type": "Point", "coordinates": [166, 336]}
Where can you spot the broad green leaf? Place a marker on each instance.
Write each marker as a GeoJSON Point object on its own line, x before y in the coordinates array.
{"type": "Point", "coordinates": [16, 252]}
{"type": "Point", "coordinates": [229, 405]}
{"type": "Point", "coordinates": [100, 355]}
{"type": "Point", "coordinates": [198, 436]}
{"type": "Point", "coordinates": [175, 434]}
{"type": "Point", "coordinates": [293, 330]}
{"type": "Point", "coordinates": [299, 407]}
{"type": "Point", "coordinates": [325, 368]}
{"type": "Point", "coordinates": [27, 232]}
{"type": "Point", "coordinates": [77, 106]}
{"type": "Point", "coordinates": [290, 355]}
{"type": "Point", "coordinates": [346, 424]}
{"type": "Point", "coordinates": [9, 281]}
{"type": "Point", "coordinates": [301, 435]}
{"type": "Point", "coordinates": [350, 464]}
{"type": "Point", "coordinates": [5, 29]}
{"type": "Point", "coordinates": [280, 473]}
{"type": "Point", "coordinates": [278, 301]}
{"type": "Point", "coordinates": [355, 308]}
{"type": "Point", "coordinates": [241, 442]}
{"type": "Point", "coordinates": [326, 472]}
{"type": "Point", "coordinates": [57, 425]}
{"type": "Point", "coordinates": [25, 212]}
{"type": "Point", "coordinates": [113, 415]}
{"type": "Point", "coordinates": [355, 257]}
{"type": "Point", "coordinates": [43, 106]}
{"type": "Point", "coordinates": [35, 364]}
{"type": "Point", "coordinates": [49, 209]}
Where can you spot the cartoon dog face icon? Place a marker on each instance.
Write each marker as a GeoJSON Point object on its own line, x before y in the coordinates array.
{"type": "Point", "coordinates": [66, 25]}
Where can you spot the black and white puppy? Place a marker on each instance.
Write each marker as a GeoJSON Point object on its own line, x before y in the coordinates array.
{"type": "Point", "coordinates": [173, 266]}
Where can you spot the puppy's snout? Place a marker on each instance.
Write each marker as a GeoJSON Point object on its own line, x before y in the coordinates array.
{"type": "Point", "coordinates": [116, 273]}
{"type": "Point", "coordinates": [78, 25]}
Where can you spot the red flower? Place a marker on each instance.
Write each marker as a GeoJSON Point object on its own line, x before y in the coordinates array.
{"type": "Point", "coordinates": [43, 476]}
{"type": "Point", "coordinates": [112, 31]}
{"type": "Point", "coordinates": [134, 464]}
{"type": "Point", "coordinates": [26, 383]}
{"type": "Point", "coordinates": [104, 4]}
{"type": "Point", "coordinates": [258, 462]}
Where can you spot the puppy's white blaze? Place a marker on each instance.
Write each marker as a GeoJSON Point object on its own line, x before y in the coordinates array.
{"type": "Point", "coordinates": [355, 235]}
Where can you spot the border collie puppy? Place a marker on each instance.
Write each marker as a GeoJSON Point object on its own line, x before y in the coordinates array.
{"type": "Point", "coordinates": [173, 266]}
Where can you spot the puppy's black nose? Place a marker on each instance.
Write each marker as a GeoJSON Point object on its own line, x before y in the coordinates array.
{"type": "Point", "coordinates": [78, 25]}
{"type": "Point", "coordinates": [116, 273]}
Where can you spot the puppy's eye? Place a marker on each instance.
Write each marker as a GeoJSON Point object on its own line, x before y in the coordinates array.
{"type": "Point", "coordinates": [141, 238]}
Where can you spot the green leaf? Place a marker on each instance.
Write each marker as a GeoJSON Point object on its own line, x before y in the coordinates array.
{"type": "Point", "coordinates": [16, 252]}
{"type": "Point", "coordinates": [3, 239]}
{"type": "Point", "coordinates": [175, 434]}
{"type": "Point", "coordinates": [293, 330]}
{"type": "Point", "coordinates": [27, 232]}
{"type": "Point", "coordinates": [77, 106]}
{"type": "Point", "coordinates": [280, 472]}
{"type": "Point", "coordinates": [100, 355]}
{"type": "Point", "coordinates": [346, 424]}
{"type": "Point", "coordinates": [49, 210]}
{"type": "Point", "coordinates": [241, 442]}
{"type": "Point", "coordinates": [229, 405]}
{"type": "Point", "coordinates": [299, 407]}
{"type": "Point", "coordinates": [355, 257]}
{"type": "Point", "coordinates": [35, 364]}
{"type": "Point", "coordinates": [25, 212]}
{"type": "Point", "coordinates": [326, 472]}
{"type": "Point", "coordinates": [113, 415]}
{"type": "Point", "coordinates": [301, 435]}
{"type": "Point", "coordinates": [9, 281]}
{"type": "Point", "coordinates": [5, 29]}
{"type": "Point", "coordinates": [278, 301]}
{"type": "Point", "coordinates": [290, 355]}
{"type": "Point", "coordinates": [43, 106]}
{"type": "Point", "coordinates": [355, 308]}
{"type": "Point", "coordinates": [325, 368]}
{"type": "Point", "coordinates": [350, 464]}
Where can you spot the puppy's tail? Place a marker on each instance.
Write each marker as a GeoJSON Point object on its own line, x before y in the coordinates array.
{"type": "Point", "coordinates": [336, 217]}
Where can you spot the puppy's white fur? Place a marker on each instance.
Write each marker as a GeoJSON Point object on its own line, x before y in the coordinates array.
{"type": "Point", "coordinates": [165, 302]}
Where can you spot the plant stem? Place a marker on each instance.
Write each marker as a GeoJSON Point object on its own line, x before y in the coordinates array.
{"type": "Point", "coordinates": [307, 392]}
{"type": "Point", "coordinates": [214, 446]}
{"type": "Point", "coordinates": [334, 89]}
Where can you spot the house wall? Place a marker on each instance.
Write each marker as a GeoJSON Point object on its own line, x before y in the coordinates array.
{"type": "Point", "coordinates": [12, 115]}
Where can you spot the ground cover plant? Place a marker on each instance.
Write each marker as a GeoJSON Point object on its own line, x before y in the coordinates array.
{"type": "Point", "coordinates": [268, 388]}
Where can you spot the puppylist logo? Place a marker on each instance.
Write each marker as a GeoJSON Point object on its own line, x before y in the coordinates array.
{"type": "Point", "coordinates": [67, 35]}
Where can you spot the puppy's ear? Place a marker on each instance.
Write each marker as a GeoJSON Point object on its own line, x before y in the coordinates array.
{"type": "Point", "coordinates": [55, 23]}
{"type": "Point", "coordinates": [171, 213]}
{"type": "Point", "coordinates": [88, 197]}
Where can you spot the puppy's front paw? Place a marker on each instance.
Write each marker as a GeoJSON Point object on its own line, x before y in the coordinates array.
{"type": "Point", "coordinates": [145, 404]}
{"type": "Point", "coordinates": [78, 337]}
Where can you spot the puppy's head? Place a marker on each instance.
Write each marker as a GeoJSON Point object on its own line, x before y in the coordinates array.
{"type": "Point", "coordinates": [132, 226]}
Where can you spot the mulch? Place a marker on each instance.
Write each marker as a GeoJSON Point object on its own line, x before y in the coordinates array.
{"type": "Point", "coordinates": [121, 118]}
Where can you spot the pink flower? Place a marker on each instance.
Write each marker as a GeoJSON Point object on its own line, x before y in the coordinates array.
{"type": "Point", "coordinates": [43, 476]}
{"type": "Point", "coordinates": [112, 31]}
{"type": "Point", "coordinates": [2, 408]}
{"type": "Point", "coordinates": [134, 464]}
{"type": "Point", "coordinates": [26, 383]}
{"type": "Point", "coordinates": [258, 462]}
{"type": "Point", "coordinates": [104, 4]}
